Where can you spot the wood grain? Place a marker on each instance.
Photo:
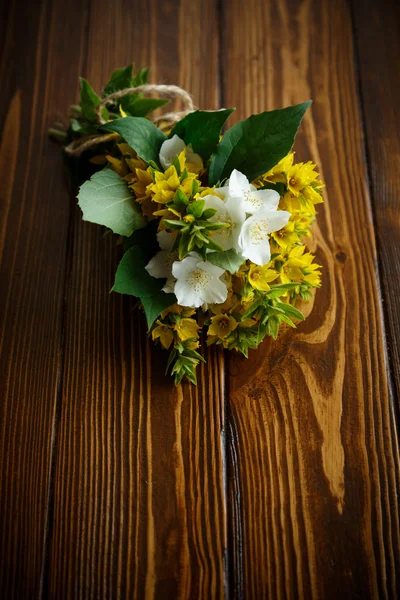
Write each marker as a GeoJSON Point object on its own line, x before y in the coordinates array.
{"type": "Point", "coordinates": [313, 461]}
{"type": "Point", "coordinates": [376, 26]}
{"type": "Point", "coordinates": [139, 505]}
{"type": "Point", "coordinates": [34, 213]}
{"type": "Point", "coordinates": [276, 478]}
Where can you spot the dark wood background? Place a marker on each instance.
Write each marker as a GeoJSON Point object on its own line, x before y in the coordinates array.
{"type": "Point", "coordinates": [276, 477]}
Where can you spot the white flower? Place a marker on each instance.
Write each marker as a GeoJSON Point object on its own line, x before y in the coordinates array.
{"type": "Point", "coordinates": [171, 148]}
{"type": "Point", "coordinates": [160, 265]}
{"type": "Point", "coordinates": [198, 282]}
{"type": "Point", "coordinates": [252, 199]}
{"type": "Point", "coordinates": [229, 211]}
{"type": "Point", "coordinates": [253, 239]}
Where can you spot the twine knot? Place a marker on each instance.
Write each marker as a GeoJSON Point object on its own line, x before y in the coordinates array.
{"type": "Point", "coordinates": [172, 92]}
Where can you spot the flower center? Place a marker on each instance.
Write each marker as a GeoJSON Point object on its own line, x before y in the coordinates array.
{"type": "Point", "coordinates": [199, 279]}
{"type": "Point", "coordinates": [224, 323]}
{"type": "Point", "coordinates": [251, 197]}
{"type": "Point", "coordinates": [259, 232]}
{"type": "Point", "coordinates": [293, 181]}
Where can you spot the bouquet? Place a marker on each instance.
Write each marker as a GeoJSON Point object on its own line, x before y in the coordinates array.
{"type": "Point", "coordinates": [212, 226]}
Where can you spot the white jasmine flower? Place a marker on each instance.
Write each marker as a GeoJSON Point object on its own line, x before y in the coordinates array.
{"type": "Point", "coordinates": [252, 198]}
{"type": "Point", "coordinates": [229, 211]}
{"type": "Point", "coordinates": [172, 148]}
{"type": "Point", "coordinates": [198, 282]}
{"type": "Point", "coordinates": [160, 265]}
{"type": "Point", "coordinates": [253, 239]}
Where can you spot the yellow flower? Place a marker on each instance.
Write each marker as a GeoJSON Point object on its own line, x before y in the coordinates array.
{"type": "Point", "coordinates": [165, 333]}
{"type": "Point", "coordinates": [286, 236]}
{"type": "Point", "coordinates": [312, 194]}
{"type": "Point", "coordinates": [291, 269]}
{"type": "Point", "coordinates": [117, 165]}
{"type": "Point", "coordinates": [221, 326]}
{"type": "Point", "coordinates": [140, 182]}
{"type": "Point", "coordinates": [164, 187]}
{"type": "Point", "coordinates": [300, 176]}
{"type": "Point", "coordinates": [276, 174]}
{"type": "Point", "coordinates": [186, 329]}
{"type": "Point", "coordinates": [260, 277]}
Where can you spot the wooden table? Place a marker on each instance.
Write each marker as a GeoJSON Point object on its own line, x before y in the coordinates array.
{"type": "Point", "coordinates": [276, 477]}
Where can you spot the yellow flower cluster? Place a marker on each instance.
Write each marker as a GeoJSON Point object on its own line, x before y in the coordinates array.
{"type": "Point", "coordinates": [290, 273]}
{"type": "Point", "coordinates": [154, 189]}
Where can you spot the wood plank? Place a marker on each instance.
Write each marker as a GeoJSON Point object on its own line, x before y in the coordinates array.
{"type": "Point", "coordinates": [377, 39]}
{"type": "Point", "coordinates": [139, 507]}
{"type": "Point", "coordinates": [314, 460]}
{"type": "Point", "coordinates": [34, 214]}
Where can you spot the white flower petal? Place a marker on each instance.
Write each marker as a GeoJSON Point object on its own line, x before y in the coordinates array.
{"type": "Point", "coordinates": [215, 293]}
{"type": "Point", "coordinates": [278, 219]}
{"type": "Point", "coordinates": [159, 266]}
{"type": "Point", "coordinates": [194, 158]}
{"type": "Point", "coordinates": [198, 282]}
{"type": "Point", "coordinates": [238, 184]}
{"type": "Point", "coordinates": [181, 269]}
{"type": "Point", "coordinates": [169, 286]}
{"type": "Point", "coordinates": [187, 296]}
{"type": "Point", "coordinates": [269, 198]}
{"type": "Point", "coordinates": [253, 239]}
{"type": "Point", "coordinates": [228, 211]}
{"type": "Point", "coordinates": [211, 269]}
{"type": "Point", "coordinates": [222, 191]}
{"type": "Point", "coordinates": [169, 150]}
{"type": "Point", "coordinates": [165, 240]}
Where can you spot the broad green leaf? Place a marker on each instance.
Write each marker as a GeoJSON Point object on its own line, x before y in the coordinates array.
{"type": "Point", "coordinates": [119, 80]}
{"type": "Point", "coordinates": [140, 107]}
{"type": "Point", "coordinates": [89, 100]}
{"type": "Point", "coordinates": [202, 129]}
{"type": "Point", "coordinates": [154, 305]}
{"type": "Point", "coordinates": [229, 260]}
{"type": "Point", "coordinates": [255, 145]}
{"type": "Point", "coordinates": [133, 279]}
{"type": "Point", "coordinates": [146, 238]}
{"type": "Point", "coordinates": [107, 200]}
{"type": "Point", "coordinates": [279, 187]}
{"type": "Point", "coordinates": [141, 135]}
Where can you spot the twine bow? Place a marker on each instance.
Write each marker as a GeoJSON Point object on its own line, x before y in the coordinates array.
{"type": "Point", "coordinates": [172, 92]}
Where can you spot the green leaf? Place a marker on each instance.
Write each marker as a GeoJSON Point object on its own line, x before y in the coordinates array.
{"type": "Point", "coordinates": [141, 107]}
{"type": "Point", "coordinates": [89, 100]}
{"type": "Point", "coordinates": [141, 135]}
{"type": "Point", "coordinates": [255, 145]}
{"type": "Point", "coordinates": [141, 77]}
{"type": "Point", "coordinates": [202, 129]}
{"type": "Point", "coordinates": [180, 198]}
{"type": "Point", "coordinates": [154, 305]}
{"type": "Point", "coordinates": [107, 200]}
{"type": "Point", "coordinates": [290, 310]}
{"type": "Point", "coordinates": [196, 208]}
{"type": "Point", "coordinates": [146, 238]}
{"type": "Point", "coordinates": [119, 80]}
{"type": "Point", "coordinates": [133, 279]}
{"type": "Point", "coordinates": [229, 260]}
{"type": "Point", "coordinates": [279, 187]}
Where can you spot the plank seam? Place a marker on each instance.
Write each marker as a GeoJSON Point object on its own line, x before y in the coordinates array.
{"type": "Point", "coordinates": [233, 558]}
{"type": "Point", "coordinates": [366, 156]}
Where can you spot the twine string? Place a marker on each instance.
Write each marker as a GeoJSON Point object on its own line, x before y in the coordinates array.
{"type": "Point", "coordinates": [172, 92]}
